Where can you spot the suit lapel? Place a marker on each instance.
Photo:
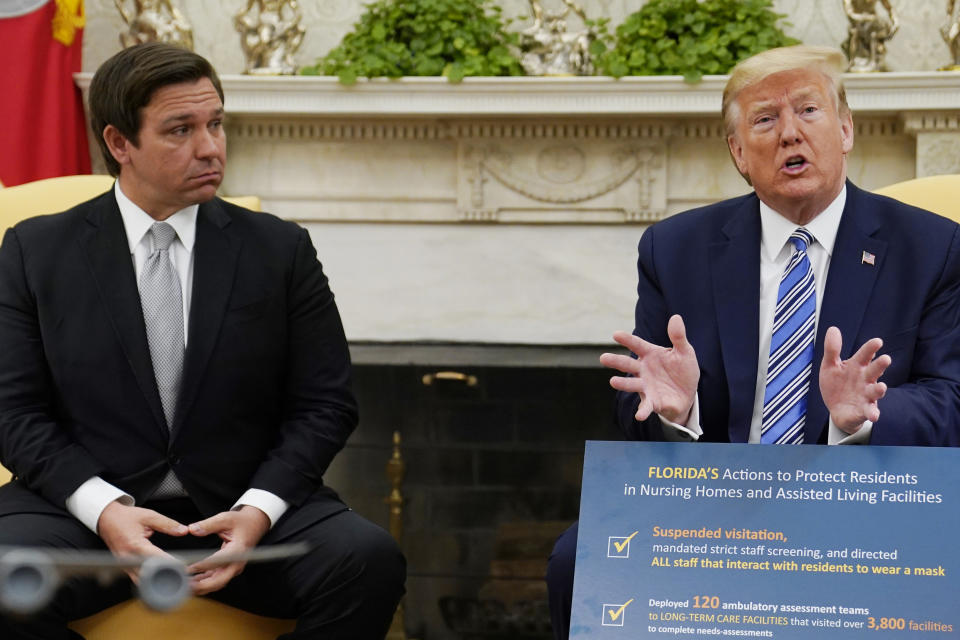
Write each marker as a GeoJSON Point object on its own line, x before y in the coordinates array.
{"type": "Point", "coordinates": [850, 283]}
{"type": "Point", "coordinates": [216, 252]}
{"type": "Point", "coordinates": [105, 243]}
{"type": "Point", "coordinates": [736, 284]}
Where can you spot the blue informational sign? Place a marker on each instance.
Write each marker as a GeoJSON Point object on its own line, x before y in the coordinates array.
{"type": "Point", "coordinates": [681, 540]}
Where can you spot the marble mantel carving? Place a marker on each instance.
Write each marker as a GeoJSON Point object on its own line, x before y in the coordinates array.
{"type": "Point", "coordinates": [534, 150]}
{"type": "Point", "coordinates": [508, 210]}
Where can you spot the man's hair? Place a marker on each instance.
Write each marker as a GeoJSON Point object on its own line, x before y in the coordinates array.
{"type": "Point", "coordinates": [829, 61]}
{"type": "Point", "coordinates": [124, 85]}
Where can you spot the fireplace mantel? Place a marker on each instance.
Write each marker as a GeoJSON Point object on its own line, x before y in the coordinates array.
{"type": "Point", "coordinates": [563, 96]}
{"type": "Point", "coordinates": [324, 96]}
{"type": "Point", "coordinates": [507, 210]}
{"type": "Point", "coordinates": [535, 150]}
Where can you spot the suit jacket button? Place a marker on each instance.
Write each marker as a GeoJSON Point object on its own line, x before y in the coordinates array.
{"type": "Point", "coordinates": [173, 460]}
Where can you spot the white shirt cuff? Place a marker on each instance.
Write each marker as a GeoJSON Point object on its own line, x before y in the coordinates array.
{"type": "Point", "coordinates": [271, 504]}
{"type": "Point", "coordinates": [91, 498]}
{"type": "Point", "coordinates": [690, 432]}
{"type": "Point", "coordinates": [836, 435]}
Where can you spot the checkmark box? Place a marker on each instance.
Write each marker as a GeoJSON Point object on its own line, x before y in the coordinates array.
{"type": "Point", "coordinates": [613, 614]}
{"type": "Point", "coordinates": [619, 546]}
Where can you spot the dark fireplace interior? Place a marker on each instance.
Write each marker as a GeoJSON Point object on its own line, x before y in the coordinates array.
{"type": "Point", "coordinates": [494, 455]}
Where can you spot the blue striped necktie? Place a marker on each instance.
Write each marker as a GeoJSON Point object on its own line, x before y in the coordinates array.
{"type": "Point", "coordinates": [791, 349]}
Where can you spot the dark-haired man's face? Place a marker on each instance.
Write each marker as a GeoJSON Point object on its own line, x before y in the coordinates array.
{"type": "Point", "coordinates": [181, 152]}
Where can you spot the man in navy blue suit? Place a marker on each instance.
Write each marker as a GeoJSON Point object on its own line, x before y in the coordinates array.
{"type": "Point", "coordinates": [883, 329]}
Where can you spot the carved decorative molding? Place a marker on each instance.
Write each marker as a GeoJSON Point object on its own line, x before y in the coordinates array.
{"type": "Point", "coordinates": [263, 128]}
{"type": "Point", "coordinates": [938, 154]}
{"type": "Point", "coordinates": [561, 180]}
{"type": "Point", "coordinates": [943, 121]}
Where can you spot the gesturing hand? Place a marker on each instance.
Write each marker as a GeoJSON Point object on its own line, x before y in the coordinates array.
{"type": "Point", "coordinates": [240, 531]}
{"type": "Point", "coordinates": [850, 388]}
{"type": "Point", "coordinates": [666, 379]}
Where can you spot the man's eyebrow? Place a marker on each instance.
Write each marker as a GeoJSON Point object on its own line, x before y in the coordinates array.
{"type": "Point", "coordinates": [799, 96]}
{"type": "Point", "coordinates": [764, 105]}
{"type": "Point", "coordinates": [184, 117]}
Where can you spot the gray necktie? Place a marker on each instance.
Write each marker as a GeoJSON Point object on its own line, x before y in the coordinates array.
{"type": "Point", "coordinates": [162, 303]}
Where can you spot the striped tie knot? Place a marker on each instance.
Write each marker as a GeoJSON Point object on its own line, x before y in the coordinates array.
{"type": "Point", "coordinates": [801, 239]}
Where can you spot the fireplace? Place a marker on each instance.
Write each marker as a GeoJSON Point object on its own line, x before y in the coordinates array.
{"type": "Point", "coordinates": [493, 464]}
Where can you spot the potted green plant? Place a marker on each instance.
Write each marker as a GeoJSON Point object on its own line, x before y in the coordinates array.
{"type": "Point", "coordinates": [692, 37]}
{"type": "Point", "coordinates": [452, 38]}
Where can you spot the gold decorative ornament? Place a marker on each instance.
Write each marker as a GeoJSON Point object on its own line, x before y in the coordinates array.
{"type": "Point", "coordinates": [951, 34]}
{"type": "Point", "coordinates": [869, 31]}
{"type": "Point", "coordinates": [154, 21]}
{"type": "Point", "coordinates": [270, 33]}
{"type": "Point", "coordinates": [396, 470]}
{"type": "Point", "coordinates": [549, 49]}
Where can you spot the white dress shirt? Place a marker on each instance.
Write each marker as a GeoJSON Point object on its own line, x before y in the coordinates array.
{"type": "Point", "coordinates": [775, 254]}
{"type": "Point", "coordinates": [92, 497]}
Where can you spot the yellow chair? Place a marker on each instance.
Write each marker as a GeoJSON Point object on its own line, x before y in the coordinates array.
{"type": "Point", "coordinates": [199, 618]}
{"type": "Point", "coordinates": [58, 194]}
{"type": "Point", "coordinates": [940, 194]}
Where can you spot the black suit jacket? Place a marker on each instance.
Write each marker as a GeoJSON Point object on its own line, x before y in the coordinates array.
{"type": "Point", "coordinates": [265, 401]}
{"type": "Point", "coordinates": [705, 265]}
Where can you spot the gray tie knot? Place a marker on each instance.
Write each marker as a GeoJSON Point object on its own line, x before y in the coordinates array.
{"type": "Point", "coordinates": [163, 235]}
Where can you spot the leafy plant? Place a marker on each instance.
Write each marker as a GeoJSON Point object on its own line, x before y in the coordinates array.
{"type": "Point", "coordinates": [692, 37]}
{"type": "Point", "coordinates": [394, 38]}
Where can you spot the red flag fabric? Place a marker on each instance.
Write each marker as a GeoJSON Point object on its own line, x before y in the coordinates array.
{"type": "Point", "coordinates": [42, 129]}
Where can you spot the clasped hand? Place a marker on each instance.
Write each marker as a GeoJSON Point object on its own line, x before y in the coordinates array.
{"type": "Point", "coordinates": [126, 530]}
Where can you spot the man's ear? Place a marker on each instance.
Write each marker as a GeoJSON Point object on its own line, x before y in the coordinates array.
{"type": "Point", "coordinates": [736, 152]}
{"type": "Point", "coordinates": [846, 132]}
{"type": "Point", "coordinates": [118, 144]}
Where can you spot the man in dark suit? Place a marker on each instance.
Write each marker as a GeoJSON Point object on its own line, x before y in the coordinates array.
{"type": "Point", "coordinates": [174, 374]}
{"type": "Point", "coordinates": [806, 312]}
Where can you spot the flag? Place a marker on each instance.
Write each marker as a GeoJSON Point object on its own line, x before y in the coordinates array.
{"type": "Point", "coordinates": [42, 128]}
{"type": "Point", "coordinates": [868, 258]}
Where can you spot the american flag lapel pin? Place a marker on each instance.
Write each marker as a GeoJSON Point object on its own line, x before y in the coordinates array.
{"type": "Point", "coordinates": [868, 258]}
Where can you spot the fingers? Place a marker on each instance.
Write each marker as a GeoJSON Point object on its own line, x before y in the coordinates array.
{"type": "Point", "coordinates": [637, 345]}
{"type": "Point", "coordinates": [126, 529]}
{"type": "Point", "coordinates": [866, 356]}
{"type": "Point", "coordinates": [677, 332]}
{"type": "Point", "coordinates": [209, 575]}
{"type": "Point", "coordinates": [208, 564]}
{"type": "Point", "coordinates": [875, 368]}
{"type": "Point", "coordinates": [644, 409]}
{"type": "Point", "coordinates": [630, 385]}
{"type": "Point", "coordinates": [215, 579]}
{"type": "Point", "coordinates": [867, 351]}
{"type": "Point", "coordinates": [163, 524]}
{"type": "Point", "coordinates": [214, 524]}
{"type": "Point", "coordinates": [626, 364]}
{"type": "Point", "coordinates": [832, 343]}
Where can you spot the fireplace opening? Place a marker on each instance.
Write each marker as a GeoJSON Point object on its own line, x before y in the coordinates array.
{"type": "Point", "coordinates": [492, 440]}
